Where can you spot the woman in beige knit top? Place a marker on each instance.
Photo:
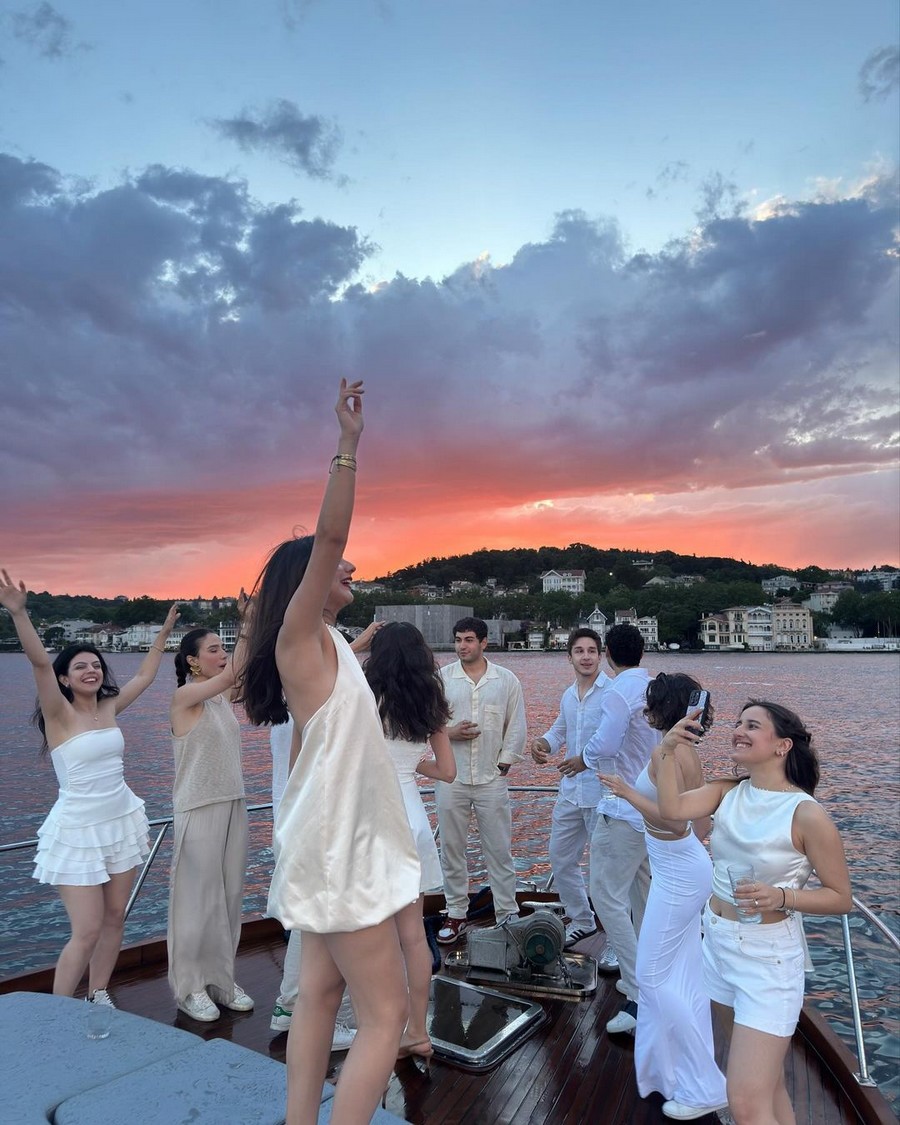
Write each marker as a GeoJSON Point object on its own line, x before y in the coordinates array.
{"type": "Point", "coordinates": [210, 852]}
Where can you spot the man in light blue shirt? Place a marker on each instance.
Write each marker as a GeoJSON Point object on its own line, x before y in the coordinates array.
{"type": "Point", "coordinates": [620, 869]}
{"type": "Point", "coordinates": [575, 811]}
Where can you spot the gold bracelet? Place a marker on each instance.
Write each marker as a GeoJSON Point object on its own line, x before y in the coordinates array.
{"type": "Point", "coordinates": [161, 651]}
{"type": "Point", "coordinates": [342, 461]}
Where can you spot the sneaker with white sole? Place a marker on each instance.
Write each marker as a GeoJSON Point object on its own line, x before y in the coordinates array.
{"type": "Point", "coordinates": [452, 930]}
{"type": "Point", "coordinates": [626, 1021]}
{"type": "Point", "coordinates": [101, 996]}
{"type": "Point", "coordinates": [678, 1111]}
{"type": "Point", "coordinates": [504, 918]}
{"type": "Point", "coordinates": [240, 1002]}
{"type": "Point", "coordinates": [576, 933]}
{"type": "Point", "coordinates": [343, 1037]}
{"type": "Point", "coordinates": [281, 1019]}
{"type": "Point", "coordinates": [608, 962]}
{"type": "Point", "coordinates": [198, 1006]}
{"type": "Point", "coordinates": [620, 987]}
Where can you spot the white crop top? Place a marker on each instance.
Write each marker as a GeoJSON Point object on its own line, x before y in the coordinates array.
{"type": "Point", "coordinates": [754, 826]}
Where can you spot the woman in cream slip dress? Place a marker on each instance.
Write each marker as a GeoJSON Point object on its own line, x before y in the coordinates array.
{"type": "Point", "coordinates": [95, 836]}
{"type": "Point", "coordinates": [345, 861]}
{"type": "Point", "coordinates": [405, 680]}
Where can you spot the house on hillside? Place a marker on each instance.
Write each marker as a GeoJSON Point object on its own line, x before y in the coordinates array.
{"type": "Point", "coordinates": [647, 626]}
{"type": "Point", "coordinates": [568, 581]}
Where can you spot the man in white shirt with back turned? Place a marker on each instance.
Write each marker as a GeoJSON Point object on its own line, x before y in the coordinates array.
{"type": "Point", "coordinates": [487, 733]}
{"type": "Point", "coordinates": [620, 869]}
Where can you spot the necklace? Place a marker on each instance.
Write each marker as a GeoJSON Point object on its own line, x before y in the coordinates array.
{"type": "Point", "coordinates": [786, 788]}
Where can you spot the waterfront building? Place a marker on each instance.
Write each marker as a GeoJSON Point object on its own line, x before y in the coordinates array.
{"type": "Point", "coordinates": [434, 622]}
{"type": "Point", "coordinates": [598, 621]}
{"type": "Point", "coordinates": [784, 627]}
{"type": "Point", "coordinates": [647, 626]}
{"type": "Point", "coordinates": [792, 627]}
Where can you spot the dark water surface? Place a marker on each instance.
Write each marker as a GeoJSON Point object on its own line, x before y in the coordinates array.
{"type": "Point", "coordinates": [851, 702]}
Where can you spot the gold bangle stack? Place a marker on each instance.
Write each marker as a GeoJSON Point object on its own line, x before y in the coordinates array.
{"type": "Point", "coordinates": [342, 461]}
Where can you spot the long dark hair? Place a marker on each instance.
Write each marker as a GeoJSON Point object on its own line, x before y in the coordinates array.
{"type": "Point", "coordinates": [108, 689]}
{"type": "Point", "coordinates": [667, 700]}
{"type": "Point", "coordinates": [405, 680]}
{"type": "Point", "coordinates": [801, 765]}
{"type": "Point", "coordinates": [190, 646]}
{"type": "Point", "coordinates": [259, 687]}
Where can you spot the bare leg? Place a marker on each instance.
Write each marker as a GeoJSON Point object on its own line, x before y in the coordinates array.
{"type": "Point", "coordinates": [312, 1026]}
{"type": "Point", "coordinates": [417, 956]}
{"type": "Point", "coordinates": [756, 1091]}
{"type": "Point", "coordinates": [84, 905]}
{"type": "Point", "coordinates": [372, 964]}
{"type": "Point", "coordinates": [106, 951]}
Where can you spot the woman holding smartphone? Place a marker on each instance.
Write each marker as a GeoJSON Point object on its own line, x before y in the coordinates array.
{"type": "Point", "coordinates": [755, 969]}
{"type": "Point", "coordinates": [673, 1049]}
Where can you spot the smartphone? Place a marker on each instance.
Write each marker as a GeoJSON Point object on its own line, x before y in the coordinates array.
{"type": "Point", "coordinates": [699, 699]}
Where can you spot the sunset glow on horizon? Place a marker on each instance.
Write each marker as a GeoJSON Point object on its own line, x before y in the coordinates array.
{"type": "Point", "coordinates": [635, 306]}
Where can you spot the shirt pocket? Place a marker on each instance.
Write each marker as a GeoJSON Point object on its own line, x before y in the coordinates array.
{"type": "Point", "coordinates": [492, 719]}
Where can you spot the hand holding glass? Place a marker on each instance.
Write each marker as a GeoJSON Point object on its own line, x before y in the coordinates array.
{"type": "Point", "coordinates": [740, 875]}
{"type": "Point", "coordinates": [610, 767]}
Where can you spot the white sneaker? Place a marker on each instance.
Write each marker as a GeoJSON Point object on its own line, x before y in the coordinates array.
{"type": "Point", "coordinates": [198, 1006]}
{"type": "Point", "coordinates": [625, 1021]}
{"type": "Point", "coordinates": [101, 996]}
{"type": "Point", "coordinates": [503, 919]}
{"type": "Point", "coordinates": [241, 1002]}
{"type": "Point", "coordinates": [620, 987]}
{"type": "Point", "coordinates": [678, 1111]}
{"type": "Point", "coordinates": [576, 933]}
{"type": "Point", "coordinates": [343, 1037]}
{"type": "Point", "coordinates": [608, 962]}
{"type": "Point", "coordinates": [281, 1019]}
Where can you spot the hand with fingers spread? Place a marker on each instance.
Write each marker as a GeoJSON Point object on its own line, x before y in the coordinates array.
{"type": "Point", "coordinates": [12, 596]}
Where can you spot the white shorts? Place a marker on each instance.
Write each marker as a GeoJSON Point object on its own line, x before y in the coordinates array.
{"type": "Point", "coordinates": [756, 969]}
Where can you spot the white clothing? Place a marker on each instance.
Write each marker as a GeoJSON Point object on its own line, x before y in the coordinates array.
{"type": "Point", "coordinates": [619, 881]}
{"type": "Point", "coordinates": [575, 812]}
{"type": "Point", "coordinates": [97, 827]}
{"type": "Point", "coordinates": [344, 854]}
{"type": "Point", "coordinates": [673, 1048]}
{"type": "Point", "coordinates": [573, 728]}
{"type": "Point", "coordinates": [495, 703]}
{"type": "Point", "coordinates": [571, 829]}
{"type": "Point", "coordinates": [490, 803]}
{"type": "Point", "coordinates": [754, 826]}
{"type": "Point", "coordinates": [406, 756]}
{"type": "Point", "coordinates": [623, 733]}
{"type": "Point", "coordinates": [757, 969]}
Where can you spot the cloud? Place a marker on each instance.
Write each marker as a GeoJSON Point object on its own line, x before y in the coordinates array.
{"type": "Point", "coordinates": [172, 348]}
{"type": "Point", "coordinates": [47, 30]}
{"type": "Point", "coordinates": [307, 144]}
{"type": "Point", "coordinates": [879, 75]}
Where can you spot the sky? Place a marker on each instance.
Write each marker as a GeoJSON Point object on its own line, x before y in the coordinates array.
{"type": "Point", "coordinates": [616, 274]}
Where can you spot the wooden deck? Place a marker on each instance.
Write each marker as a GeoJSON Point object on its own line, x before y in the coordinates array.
{"type": "Point", "coordinates": [570, 1072]}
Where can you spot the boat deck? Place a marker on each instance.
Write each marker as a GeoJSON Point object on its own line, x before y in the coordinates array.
{"type": "Point", "coordinates": [568, 1073]}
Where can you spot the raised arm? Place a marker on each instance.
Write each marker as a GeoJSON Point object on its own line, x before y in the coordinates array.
{"type": "Point", "coordinates": [299, 647]}
{"type": "Point", "coordinates": [13, 598]}
{"type": "Point", "coordinates": [443, 766]}
{"type": "Point", "coordinates": [149, 666]}
{"type": "Point", "coordinates": [364, 641]}
{"type": "Point", "coordinates": [695, 803]}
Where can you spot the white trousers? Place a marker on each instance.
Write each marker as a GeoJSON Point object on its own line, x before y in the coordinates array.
{"type": "Point", "coordinates": [619, 882]}
{"type": "Point", "coordinates": [490, 803]}
{"type": "Point", "coordinates": [571, 829]}
{"type": "Point", "coordinates": [673, 1048]}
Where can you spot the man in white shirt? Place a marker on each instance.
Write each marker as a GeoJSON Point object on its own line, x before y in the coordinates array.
{"type": "Point", "coordinates": [575, 811]}
{"type": "Point", "coordinates": [487, 733]}
{"type": "Point", "coordinates": [619, 867]}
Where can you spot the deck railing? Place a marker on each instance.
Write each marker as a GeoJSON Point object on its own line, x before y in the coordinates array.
{"type": "Point", "coordinates": [163, 823]}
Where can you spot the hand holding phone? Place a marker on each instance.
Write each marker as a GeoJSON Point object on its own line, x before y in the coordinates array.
{"type": "Point", "coordinates": [699, 699]}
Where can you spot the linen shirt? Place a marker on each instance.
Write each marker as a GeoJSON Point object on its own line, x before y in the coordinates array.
{"type": "Point", "coordinates": [496, 704]}
{"type": "Point", "coordinates": [623, 733]}
{"type": "Point", "coordinates": [574, 725]}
